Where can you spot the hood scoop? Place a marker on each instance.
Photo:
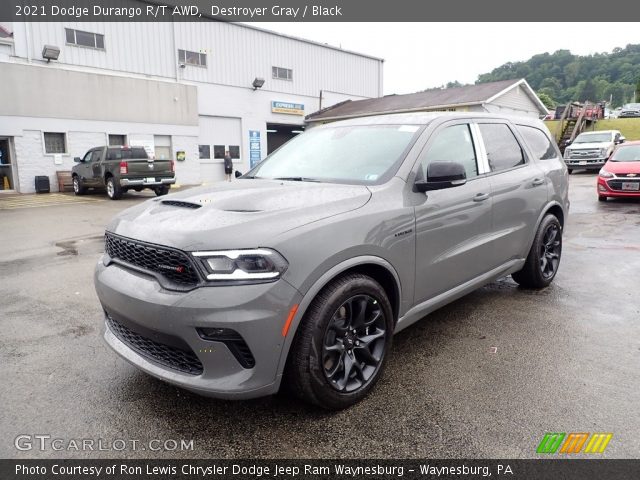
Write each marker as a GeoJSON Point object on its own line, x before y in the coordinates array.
{"type": "Point", "coordinates": [181, 204]}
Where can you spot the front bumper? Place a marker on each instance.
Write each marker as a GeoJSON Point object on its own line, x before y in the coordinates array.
{"type": "Point", "coordinates": [612, 187]}
{"type": "Point", "coordinates": [256, 312]}
{"type": "Point", "coordinates": [586, 163]}
{"type": "Point", "coordinates": [143, 182]}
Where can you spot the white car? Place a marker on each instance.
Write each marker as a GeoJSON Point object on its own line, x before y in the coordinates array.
{"type": "Point", "coordinates": [590, 150]}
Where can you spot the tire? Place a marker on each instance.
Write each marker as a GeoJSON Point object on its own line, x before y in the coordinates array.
{"type": "Point", "coordinates": [570, 170]}
{"type": "Point", "coordinates": [78, 187]}
{"type": "Point", "coordinates": [114, 190]}
{"type": "Point", "coordinates": [320, 354]}
{"type": "Point", "coordinates": [137, 189]}
{"type": "Point", "coordinates": [602, 198]}
{"type": "Point", "coordinates": [543, 260]}
{"type": "Point", "coordinates": [161, 190]}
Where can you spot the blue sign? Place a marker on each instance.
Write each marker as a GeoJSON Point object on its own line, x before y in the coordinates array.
{"type": "Point", "coordinates": [254, 147]}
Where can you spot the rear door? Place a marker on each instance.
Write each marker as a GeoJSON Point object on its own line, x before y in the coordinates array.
{"type": "Point", "coordinates": [518, 187]}
{"type": "Point", "coordinates": [453, 225]}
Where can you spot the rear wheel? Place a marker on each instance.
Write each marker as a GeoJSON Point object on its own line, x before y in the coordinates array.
{"type": "Point", "coordinates": [78, 187]}
{"type": "Point", "coordinates": [163, 190]}
{"type": "Point", "coordinates": [341, 347]}
{"type": "Point", "coordinates": [114, 191]}
{"type": "Point", "coordinates": [543, 260]}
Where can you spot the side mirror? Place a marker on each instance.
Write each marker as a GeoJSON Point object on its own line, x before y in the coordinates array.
{"type": "Point", "coordinates": [238, 174]}
{"type": "Point", "coordinates": [442, 175]}
{"type": "Point", "coordinates": [77, 160]}
{"type": "Point", "coordinates": [621, 140]}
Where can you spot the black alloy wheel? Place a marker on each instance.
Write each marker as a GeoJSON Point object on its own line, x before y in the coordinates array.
{"type": "Point", "coordinates": [550, 248]}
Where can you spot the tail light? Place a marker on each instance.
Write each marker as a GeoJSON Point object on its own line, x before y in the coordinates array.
{"type": "Point", "coordinates": [124, 167]}
{"type": "Point", "coordinates": [173, 166]}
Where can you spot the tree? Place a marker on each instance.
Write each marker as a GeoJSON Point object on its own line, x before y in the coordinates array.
{"type": "Point", "coordinates": [588, 92]}
{"type": "Point", "coordinates": [547, 100]}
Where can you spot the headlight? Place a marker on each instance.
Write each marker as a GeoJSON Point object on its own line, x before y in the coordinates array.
{"type": "Point", "coordinates": [605, 174]}
{"type": "Point", "coordinates": [242, 266]}
{"type": "Point", "coordinates": [567, 153]}
{"type": "Point", "coordinates": [603, 152]}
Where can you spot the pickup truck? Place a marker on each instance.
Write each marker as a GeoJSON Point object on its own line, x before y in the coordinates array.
{"type": "Point", "coordinates": [119, 169]}
{"type": "Point", "coordinates": [590, 150]}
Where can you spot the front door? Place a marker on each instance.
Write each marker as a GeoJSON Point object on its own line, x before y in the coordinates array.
{"type": "Point", "coordinates": [6, 165]}
{"type": "Point", "coordinates": [453, 225]}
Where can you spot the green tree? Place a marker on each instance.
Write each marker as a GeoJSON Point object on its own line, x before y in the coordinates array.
{"type": "Point", "coordinates": [547, 100]}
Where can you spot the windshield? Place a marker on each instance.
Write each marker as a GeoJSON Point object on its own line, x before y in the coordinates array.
{"type": "Point", "coordinates": [355, 154]}
{"type": "Point", "coordinates": [593, 137]}
{"type": "Point", "coordinates": [629, 153]}
{"type": "Point", "coordinates": [632, 105]}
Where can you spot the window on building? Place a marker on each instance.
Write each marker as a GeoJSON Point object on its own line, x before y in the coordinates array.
{"type": "Point", "coordinates": [205, 151]}
{"type": "Point", "coordinates": [453, 144]}
{"type": "Point", "coordinates": [192, 58]}
{"type": "Point", "coordinates": [117, 140]}
{"type": "Point", "coordinates": [234, 151]}
{"type": "Point", "coordinates": [218, 151]}
{"type": "Point", "coordinates": [282, 73]}
{"type": "Point", "coordinates": [539, 142]}
{"type": "Point", "coordinates": [84, 39]}
{"type": "Point", "coordinates": [162, 145]}
{"type": "Point", "coordinates": [55, 142]}
{"type": "Point", "coordinates": [503, 150]}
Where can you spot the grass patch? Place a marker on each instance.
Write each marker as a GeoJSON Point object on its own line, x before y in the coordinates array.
{"type": "Point", "coordinates": [630, 127]}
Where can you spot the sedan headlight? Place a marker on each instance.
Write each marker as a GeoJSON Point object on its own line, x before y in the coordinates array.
{"type": "Point", "coordinates": [242, 266]}
{"type": "Point", "coordinates": [605, 174]}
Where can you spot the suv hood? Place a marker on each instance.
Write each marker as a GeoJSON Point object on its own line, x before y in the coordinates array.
{"type": "Point", "coordinates": [242, 214]}
{"type": "Point", "coordinates": [585, 146]}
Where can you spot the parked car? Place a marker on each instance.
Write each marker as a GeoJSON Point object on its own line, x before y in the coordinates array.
{"type": "Point", "coordinates": [620, 177]}
{"type": "Point", "coordinates": [630, 110]}
{"type": "Point", "coordinates": [590, 150]}
{"type": "Point", "coordinates": [119, 169]}
{"type": "Point", "coordinates": [299, 273]}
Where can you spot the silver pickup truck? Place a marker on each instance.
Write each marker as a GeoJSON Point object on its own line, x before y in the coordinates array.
{"type": "Point", "coordinates": [118, 169]}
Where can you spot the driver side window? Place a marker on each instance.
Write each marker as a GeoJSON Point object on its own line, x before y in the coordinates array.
{"type": "Point", "coordinates": [452, 144]}
{"type": "Point", "coordinates": [96, 156]}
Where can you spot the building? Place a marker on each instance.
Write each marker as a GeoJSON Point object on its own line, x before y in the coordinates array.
{"type": "Point", "coordinates": [186, 91]}
{"type": "Point", "coordinates": [514, 97]}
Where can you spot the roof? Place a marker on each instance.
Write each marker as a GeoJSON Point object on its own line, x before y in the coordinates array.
{"type": "Point", "coordinates": [430, 99]}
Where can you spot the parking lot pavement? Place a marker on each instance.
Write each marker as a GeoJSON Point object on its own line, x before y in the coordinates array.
{"type": "Point", "coordinates": [486, 376]}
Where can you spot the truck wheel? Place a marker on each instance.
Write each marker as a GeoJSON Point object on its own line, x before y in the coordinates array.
{"type": "Point", "coordinates": [543, 260]}
{"type": "Point", "coordinates": [114, 191]}
{"type": "Point", "coordinates": [78, 188]}
{"type": "Point", "coordinates": [340, 349]}
{"type": "Point", "coordinates": [570, 170]}
{"type": "Point", "coordinates": [162, 190]}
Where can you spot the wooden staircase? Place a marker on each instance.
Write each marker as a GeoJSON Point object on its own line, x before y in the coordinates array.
{"type": "Point", "coordinates": [575, 118]}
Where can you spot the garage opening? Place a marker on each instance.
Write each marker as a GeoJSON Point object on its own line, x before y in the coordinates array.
{"type": "Point", "coordinates": [278, 134]}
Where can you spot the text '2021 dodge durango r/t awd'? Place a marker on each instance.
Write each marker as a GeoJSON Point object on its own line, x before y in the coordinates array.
{"type": "Point", "coordinates": [298, 274]}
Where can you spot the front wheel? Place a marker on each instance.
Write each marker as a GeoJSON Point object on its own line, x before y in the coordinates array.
{"type": "Point", "coordinates": [570, 170]}
{"type": "Point", "coordinates": [602, 198]}
{"type": "Point", "coordinates": [341, 346]}
{"type": "Point", "coordinates": [78, 187]}
{"type": "Point", "coordinates": [543, 260]}
{"type": "Point", "coordinates": [114, 190]}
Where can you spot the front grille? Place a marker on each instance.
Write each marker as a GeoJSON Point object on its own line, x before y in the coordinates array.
{"type": "Point", "coordinates": [172, 357]}
{"type": "Point", "coordinates": [617, 185]}
{"type": "Point", "coordinates": [584, 154]}
{"type": "Point", "coordinates": [171, 264]}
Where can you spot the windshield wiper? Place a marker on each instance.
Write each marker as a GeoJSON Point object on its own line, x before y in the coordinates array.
{"type": "Point", "coordinates": [298, 179]}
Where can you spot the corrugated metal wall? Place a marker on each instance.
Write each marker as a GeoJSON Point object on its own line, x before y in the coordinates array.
{"type": "Point", "coordinates": [235, 55]}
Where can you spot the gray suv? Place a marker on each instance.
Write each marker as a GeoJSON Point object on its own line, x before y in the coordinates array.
{"type": "Point", "coordinates": [298, 274]}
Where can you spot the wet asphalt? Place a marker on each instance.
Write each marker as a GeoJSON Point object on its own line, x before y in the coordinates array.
{"type": "Point", "coordinates": [484, 377]}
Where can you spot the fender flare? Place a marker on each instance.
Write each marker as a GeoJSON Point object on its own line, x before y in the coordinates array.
{"type": "Point", "coordinates": [318, 285]}
{"type": "Point", "coordinates": [543, 213]}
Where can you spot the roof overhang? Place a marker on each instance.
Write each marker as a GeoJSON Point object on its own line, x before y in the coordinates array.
{"type": "Point", "coordinates": [532, 94]}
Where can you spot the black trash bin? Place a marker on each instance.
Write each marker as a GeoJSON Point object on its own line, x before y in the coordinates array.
{"type": "Point", "coordinates": [42, 184]}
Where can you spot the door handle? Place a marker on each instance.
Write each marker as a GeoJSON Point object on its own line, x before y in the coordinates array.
{"type": "Point", "coordinates": [537, 181]}
{"type": "Point", "coordinates": [481, 197]}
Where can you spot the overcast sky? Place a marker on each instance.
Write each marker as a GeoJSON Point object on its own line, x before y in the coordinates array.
{"type": "Point", "coordinates": [423, 55]}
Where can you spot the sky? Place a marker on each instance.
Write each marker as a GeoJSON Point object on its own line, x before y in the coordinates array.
{"type": "Point", "coordinates": [425, 55]}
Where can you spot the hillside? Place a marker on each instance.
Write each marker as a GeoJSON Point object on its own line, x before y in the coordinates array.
{"type": "Point", "coordinates": [629, 127]}
{"type": "Point", "coordinates": [565, 77]}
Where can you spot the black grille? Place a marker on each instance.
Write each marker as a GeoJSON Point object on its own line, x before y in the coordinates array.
{"type": "Point", "coordinates": [173, 265]}
{"type": "Point", "coordinates": [172, 357]}
{"type": "Point", "coordinates": [617, 185]}
{"type": "Point", "coordinates": [178, 203]}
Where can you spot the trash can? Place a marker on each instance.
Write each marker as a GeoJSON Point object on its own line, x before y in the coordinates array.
{"type": "Point", "coordinates": [42, 184]}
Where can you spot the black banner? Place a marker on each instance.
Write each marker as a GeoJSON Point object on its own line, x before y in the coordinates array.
{"type": "Point", "coordinates": [315, 11]}
{"type": "Point", "coordinates": [568, 469]}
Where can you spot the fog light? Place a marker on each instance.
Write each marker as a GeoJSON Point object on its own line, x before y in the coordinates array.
{"type": "Point", "coordinates": [601, 188]}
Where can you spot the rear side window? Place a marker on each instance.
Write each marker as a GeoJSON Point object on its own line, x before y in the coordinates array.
{"type": "Point", "coordinates": [453, 144]}
{"type": "Point", "coordinates": [503, 150]}
{"type": "Point", "coordinates": [538, 141]}
{"type": "Point", "coordinates": [126, 153]}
